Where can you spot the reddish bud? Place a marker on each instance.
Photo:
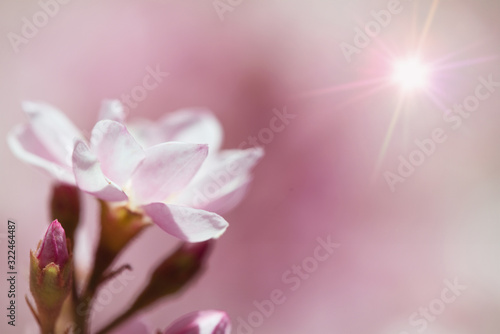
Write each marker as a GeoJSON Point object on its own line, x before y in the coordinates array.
{"type": "Point", "coordinates": [53, 247]}
{"type": "Point", "coordinates": [50, 276]}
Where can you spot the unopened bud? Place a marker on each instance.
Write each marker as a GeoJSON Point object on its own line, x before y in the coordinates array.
{"type": "Point", "coordinates": [53, 247]}
{"type": "Point", "coordinates": [50, 276]}
{"type": "Point", "coordinates": [180, 267]}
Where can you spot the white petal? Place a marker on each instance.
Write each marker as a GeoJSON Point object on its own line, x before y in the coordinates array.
{"type": "Point", "coordinates": [146, 132]}
{"type": "Point", "coordinates": [53, 129]}
{"type": "Point", "coordinates": [116, 149]}
{"type": "Point", "coordinates": [112, 110]}
{"type": "Point", "coordinates": [186, 223]}
{"type": "Point", "coordinates": [25, 146]}
{"type": "Point", "coordinates": [195, 125]}
{"type": "Point", "coordinates": [226, 199]}
{"type": "Point", "coordinates": [89, 176]}
{"type": "Point", "coordinates": [224, 178]}
{"type": "Point", "coordinates": [167, 168]}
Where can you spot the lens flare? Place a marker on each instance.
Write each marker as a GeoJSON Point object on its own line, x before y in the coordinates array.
{"type": "Point", "coordinates": [410, 74]}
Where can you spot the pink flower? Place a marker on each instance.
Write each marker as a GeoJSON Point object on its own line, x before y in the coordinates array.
{"type": "Point", "coordinates": [53, 247]}
{"type": "Point", "coordinates": [224, 176]}
{"type": "Point", "coordinates": [165, 170]}
{"type": "Point", "coordinates": [201, 322]}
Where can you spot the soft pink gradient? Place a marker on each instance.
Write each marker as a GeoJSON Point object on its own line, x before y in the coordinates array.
{"type": "Point", "coordinates": [317, 178]}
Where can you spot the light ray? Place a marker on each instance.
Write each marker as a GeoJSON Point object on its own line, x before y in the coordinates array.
{"type": "Point", "coordinates": [362, 96]}
{"type": "Point", "coordinates": [465, 63]}
{"type": "Point", "coordinates": [337, 88]}
{"type": "Point", "coordinates": [388, 137]}
{"type": "Point", "coordinates": [433, 95]}
{"type": "Point", "coordinates": [412, 74]}
{"type": "Point", "coordinates": [451, 55]}
{"type": "Point", "coordinates": [427, 26]}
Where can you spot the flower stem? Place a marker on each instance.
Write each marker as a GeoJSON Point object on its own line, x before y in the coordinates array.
{"type": "Point", "coordinates": [119, 226]}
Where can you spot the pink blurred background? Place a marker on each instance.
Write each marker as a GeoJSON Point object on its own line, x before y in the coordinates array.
{"type": "Point", "coordinates": [396, 248]}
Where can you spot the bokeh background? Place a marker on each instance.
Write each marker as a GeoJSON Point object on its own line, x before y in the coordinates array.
{"type": "Point", "coordinates": [320, 175]}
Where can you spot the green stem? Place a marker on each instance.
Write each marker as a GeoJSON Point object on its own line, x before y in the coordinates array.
{"type": "Point", "coordinates": [47, 327]}
{"type": "Point", "coordinates": [119, 226]}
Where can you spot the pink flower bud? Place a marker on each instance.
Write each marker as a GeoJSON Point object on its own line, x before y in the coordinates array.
{"type": "Point", "coordinates": [209, 322]}
{"type": "Point", "coordinates": [53, 248]}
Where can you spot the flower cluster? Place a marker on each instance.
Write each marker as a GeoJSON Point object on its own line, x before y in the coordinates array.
{"type": "Point", "coordinates": [171, 172]}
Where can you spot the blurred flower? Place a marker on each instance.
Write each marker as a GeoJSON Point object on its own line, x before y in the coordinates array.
{"type": "Point", "coordinates": [202, 322]}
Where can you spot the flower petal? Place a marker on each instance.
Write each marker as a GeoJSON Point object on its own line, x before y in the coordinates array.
{"type": "Point", "coordinates": [195, 125]}
{"type": "Point", "coordinates": [54, 130]}
{"type": "Point", "coordinates": [116, 149]}
{"type": "Point", "coordinates": [201, 322]}
{"type": "Point", "coordinates": [112, 110]}
{"type": "Point", "coordinates": [89, 176]}
{"type": "Point", "coordinates": [167, 168]}
{"type": "Point", "coordinates": [26, 146]}
{"type": "Point", "coordinates": [227, 198]}
{"type": "Point", "coordinates": [186, 223]}
{"type": "Point", "coordinates": [227, 173]}
{"type": "Point", "coordinates": [146, 132]}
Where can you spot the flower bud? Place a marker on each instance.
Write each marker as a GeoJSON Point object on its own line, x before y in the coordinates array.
{"type": "Point", "coordinates": [65, 207]}
{"type": "Point", "coordinates": [177, 270]}
{"type": "Point", "coordinates": [50, 276]}
{"type": "Point", "coordinates": [53, 247]}
{"type": "Point", "coordinates": [209, 322]}
{"type": "Point", "coordinates": [174, 273]}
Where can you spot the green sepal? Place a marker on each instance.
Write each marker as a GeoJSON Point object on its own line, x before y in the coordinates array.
{"type": "Point", "coordinates": [50, 287]}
